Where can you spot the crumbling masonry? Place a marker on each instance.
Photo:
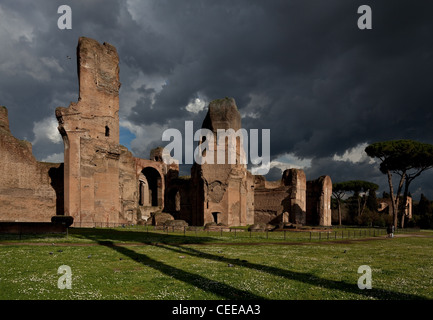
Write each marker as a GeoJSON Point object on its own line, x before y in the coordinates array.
{"type": "Point", "coordinates": [102, 184]}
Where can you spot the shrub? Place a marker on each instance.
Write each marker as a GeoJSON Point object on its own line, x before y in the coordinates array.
{"type": "Point", "coordinates": [65, 220]}
{"type": "Point", "coordinates": [372, 218]}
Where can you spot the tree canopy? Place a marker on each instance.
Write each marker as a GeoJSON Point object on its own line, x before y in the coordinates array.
{"type": "Point", "coordinates": [354, 186]}
{"type": "Point", "coordinates": [402, 155]}
{"type": "Point", "coordinates": [406, 158]}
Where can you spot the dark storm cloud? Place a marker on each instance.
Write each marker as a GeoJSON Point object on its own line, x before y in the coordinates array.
{"type": "Point", "coordinates": [325, 85]}
{"type": "Point", "coordinates": [40, 76]}
{"type": "Point", "coordinates": [300, 68]}
{"type": "Point", "coordinates": [328, 85]}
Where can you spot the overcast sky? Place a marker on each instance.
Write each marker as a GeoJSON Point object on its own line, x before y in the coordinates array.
{"type": "Point", "coordinates": [302, 69]}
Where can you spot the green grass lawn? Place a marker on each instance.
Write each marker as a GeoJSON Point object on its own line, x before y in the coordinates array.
{"type": "Point", "coordinates": [133, 263]}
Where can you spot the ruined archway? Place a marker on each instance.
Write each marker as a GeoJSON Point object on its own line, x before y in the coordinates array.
{"type": "Point", "coordinates": [150, 188]}
{"type": "Point", "coordinates": [173, 200]}
{"type": "Point", "coordinates": [216, 215]}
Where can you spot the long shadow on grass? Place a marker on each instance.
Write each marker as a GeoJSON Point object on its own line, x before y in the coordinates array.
{"type": "Point", "coordinates": [299, 276]}
{"type": "Point", "coordinates": [220, 289]}
{"type": "Point", "coordinates": [141, 236]}
{"type": "Point", "coordinates": [168, 242]}
{"type": "Point", "coordinates": [106, 237]}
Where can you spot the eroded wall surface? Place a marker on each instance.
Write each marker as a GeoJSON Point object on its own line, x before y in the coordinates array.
{"type": "Point", "coordinates": [90, 131]}
{"type": "Point", "coordinates": [225, 191]}
{"type": "Point", "coordinates": [319, 193]}
{"type": "Point", "coordinates": [281, 201]}
{"type": "Point", "coordinates": [29, 190]}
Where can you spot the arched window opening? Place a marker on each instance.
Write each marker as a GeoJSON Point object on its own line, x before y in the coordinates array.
{"type": "Point", "coordinates": [151, 191]}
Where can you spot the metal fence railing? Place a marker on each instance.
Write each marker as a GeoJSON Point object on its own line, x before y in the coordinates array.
{"type": "Point", "coordinates": [237, 234]}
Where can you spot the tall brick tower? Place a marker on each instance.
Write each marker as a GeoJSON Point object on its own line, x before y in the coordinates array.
{"type": "Point", "coordinates": [224, 191]}
{"type": "Point", "coordinates": [90, 131]}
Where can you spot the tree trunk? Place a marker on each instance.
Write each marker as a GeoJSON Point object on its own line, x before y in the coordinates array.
{"type": "Point", "coordinates": [359, 206]}
{"type": "Point", "coordinates": [397, 206]}
{"type": "Point", "coordinates": [339, 212]}
{"type": "Point", "coordinates": [405, 195]}
{"type": "Point", "coordinates": [402, 221]}
{"type": "Point", "coordinates": [396, 199]}
{"type": "Point", "coordinates": [391, 192]}
{"type": "Point", "coordinates": [409, 179]}
{"type": "Point", "coordinates": [364, 203]}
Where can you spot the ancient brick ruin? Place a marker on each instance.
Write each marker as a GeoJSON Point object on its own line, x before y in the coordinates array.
{"type": "Point", "coordinates": [224, 193]}
{"type": "Point", "coordinates": [102, 184]}
{"type": "Point", "coordinates": [29, 190]}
